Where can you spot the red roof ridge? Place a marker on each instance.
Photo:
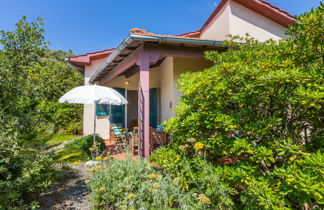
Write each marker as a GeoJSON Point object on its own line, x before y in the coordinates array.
{"type": "Point", "coordinates": [189, 35]}
{"type": "Point", "coordinates": [96, 52]}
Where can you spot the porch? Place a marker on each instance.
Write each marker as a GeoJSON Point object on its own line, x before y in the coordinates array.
{"type": "Point", "coordinates": [146, 74]}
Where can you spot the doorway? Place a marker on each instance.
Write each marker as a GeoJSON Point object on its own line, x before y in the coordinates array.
{"type": "Point", "coordinates": [132, 108]}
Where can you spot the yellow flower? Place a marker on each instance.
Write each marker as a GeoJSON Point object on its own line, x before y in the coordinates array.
{"type": "Point", "coordinates": [76, 163]}
{"type": "Point", "coordinates": [98, 158]}
{"type": "Point", "coordinates": [199, 146]}
{"type": "Point", "coordinates": [249, 133]}
{"type": "Point", "coordinates": [98, 166]}
{"type": "Point", "coordinates": [152, 176]}
{"type": "Point", "coordinates": [312, 104]}
{"type": "Point", "coordinates": [105, 158]}
{"type": "Point", "coordinates": [303, 102]}
{"type": "Point", "coordinates": [87, 181]}
{"type": "Point", "coordinates": [203, 199]}
{"type": "Point", "coordinates": [102, 189]}
{"type": "Point", "coordinates": [155, 176]}
{"type": "Point", "coordinates": [131, 195]}
{"type": "Point", "coordinates": [156, 185]}
{"type": "Point", "coordinates": [232, 126]}
{"type": "Point", "coordinates": [91, 148]}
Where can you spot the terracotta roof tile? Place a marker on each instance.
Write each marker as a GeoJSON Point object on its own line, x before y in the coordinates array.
{"type": "Point", "coordinates": [189, 35]}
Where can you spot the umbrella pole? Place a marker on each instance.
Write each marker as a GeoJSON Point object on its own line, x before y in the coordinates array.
{"type": "Point", "coordinates": [94, 124]}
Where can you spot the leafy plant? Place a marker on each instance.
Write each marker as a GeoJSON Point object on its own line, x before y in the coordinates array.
{"type": "Point", "coordinates": [24, 173]}
{"type": "Point", "coordinates": [255, 116]}
{"type": "Point", "coordinates": [134, 184]}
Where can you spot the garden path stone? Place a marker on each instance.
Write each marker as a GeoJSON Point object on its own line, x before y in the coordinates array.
{"type": "Point", "coordinates": [69, 194]}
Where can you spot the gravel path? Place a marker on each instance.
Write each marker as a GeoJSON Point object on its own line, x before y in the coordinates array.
{"type": "Point", "coordinates": [69, 194]}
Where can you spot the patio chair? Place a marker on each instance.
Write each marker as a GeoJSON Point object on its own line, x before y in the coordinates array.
{"type": "Point", "coordinates": [119, 137]}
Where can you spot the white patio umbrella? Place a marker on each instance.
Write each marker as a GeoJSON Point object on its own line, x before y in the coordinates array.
{"type": "Point", "coordinates": [93, 94]}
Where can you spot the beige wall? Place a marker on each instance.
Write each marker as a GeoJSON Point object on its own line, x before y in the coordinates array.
{"type": "Point", "coordinates": [170, 71]}
{"type": "Point", "coordinates": [182, 65]}
{"type": "Point", "coordinates": [219, 28]}
{"type": "Point", "coordinates": [244, 20]}
{"type": "Point", "coordinates": [166, 88]}
{"type": "Point", "coordinates": [236, 19]}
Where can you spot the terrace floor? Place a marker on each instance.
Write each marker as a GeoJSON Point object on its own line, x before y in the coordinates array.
{"type": "Point", "coordinates": [115, 152]}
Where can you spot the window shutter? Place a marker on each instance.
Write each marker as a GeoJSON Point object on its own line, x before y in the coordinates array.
{"type": "Point", "coordinates": [118, 112]}
{"type": "Point", "coordinates": [153, 107]}
{"type": "Point", "coordinates": [102, 109]}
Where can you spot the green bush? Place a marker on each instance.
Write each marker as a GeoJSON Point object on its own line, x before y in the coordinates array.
{"type": "Point", "coordinates": [256, 118]}
{"type": "Point", "coordinates": [78, 150]}
{"type": "Point", "coordinates": [134, 184]}
{"type": "Point", "coordinates": [196, 174]}
{"type": "Point", "coordinates": [24, 173]}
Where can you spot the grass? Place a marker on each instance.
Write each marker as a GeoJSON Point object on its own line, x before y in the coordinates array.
{"type": "Point", "coordinates": [71, 157]}
{"type": "Point", "coordinates": [57, 140]}
{"type": "Point", "coordinates": [77, 150]}
{"type": "Point", "coordinates": [47, 141]}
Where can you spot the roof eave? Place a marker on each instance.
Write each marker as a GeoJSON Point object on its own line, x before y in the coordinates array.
{"type": "Point", "coordinates": [151, 38]}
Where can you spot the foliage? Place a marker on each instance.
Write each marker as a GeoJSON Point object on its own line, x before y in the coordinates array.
{"type": "Point", "coordinates": [32, 80]}
{"type": "Point", "coordinates": [257, 117]}
{"type": "Point", "coordinates": [24, 173]}
{"type": "Point", "coordinates": [134, 184]}
{"type": "Point", "coordinates": [196, 174]}
{"type": "Point", "coordinates": [79, 149]}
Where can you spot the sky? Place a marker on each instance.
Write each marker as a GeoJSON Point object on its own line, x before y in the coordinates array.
{"type": "Point", "coordinates": [92, 25]}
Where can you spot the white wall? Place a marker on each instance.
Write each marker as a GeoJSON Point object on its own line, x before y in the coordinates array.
{"type": "Point", "coordinates": [219, 28]}
{"type": "Point", "coordinates": [89, 70]}
{"type": "Point", "coordinates": [244, 20]}
{"type": "Point", "coordinates": [88, 111]}
{"type": "Point", "coordinates": [236, 19]}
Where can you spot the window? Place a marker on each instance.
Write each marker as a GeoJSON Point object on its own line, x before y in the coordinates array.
{"type": "Point", "coordinates": [102, 109]}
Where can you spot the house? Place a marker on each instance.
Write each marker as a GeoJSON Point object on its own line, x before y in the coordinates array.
{"type": "Point", "coordinates": [145, 66]}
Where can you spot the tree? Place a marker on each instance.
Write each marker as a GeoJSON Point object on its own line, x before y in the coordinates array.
{"type": "Point", "coordinates": [32, 80]}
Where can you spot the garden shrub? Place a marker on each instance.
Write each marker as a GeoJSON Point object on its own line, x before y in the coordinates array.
{"type": "Point", "coordinates": [134, 184]}
{"type": "Point", "coordinates": [256, 116]}
{"type": "Point", "coordinates": [196, 174]}
{"type": "Point", "coordinates": [79, 149]}
{"type": "Point", "coordinates": [24, 173]}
